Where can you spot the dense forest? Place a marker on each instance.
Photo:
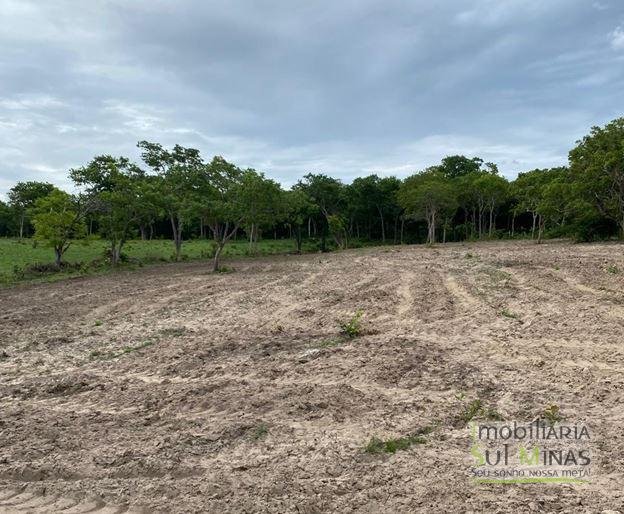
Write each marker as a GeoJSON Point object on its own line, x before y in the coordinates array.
{"type": "Point", "coordinates": [176, 194]}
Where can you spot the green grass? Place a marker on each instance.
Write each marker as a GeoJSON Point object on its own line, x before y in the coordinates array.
{"type": "Point", "coordinates": [16, 256]}
{"type": "Point", "coordinates": [476, 409]}
{"type": "Point", "coordinates": [392, 445]}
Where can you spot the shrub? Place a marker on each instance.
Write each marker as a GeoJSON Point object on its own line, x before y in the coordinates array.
{"type": "Point", "coordinates": [353, 327]}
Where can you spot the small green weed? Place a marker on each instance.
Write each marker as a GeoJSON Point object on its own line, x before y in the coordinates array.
{"type": "Point", "coordinates": [353, 327]}
{"type": "Point", "coordinates": [259, 432]}
{"type": "Point", "coordinates": [173, 331]}
{"type": "Point", "coordinates": [506, 313]}
{"type": "Point", "coordinates": [476, 409]}
{"type": "Point", "coordinates": [108, 355]}
{"type": "Point", "coordinates": [392, 445]}
{"type": "Point", "coordinates": [552, 414]}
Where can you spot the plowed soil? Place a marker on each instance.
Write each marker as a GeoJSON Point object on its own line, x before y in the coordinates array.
{"type": "Point", "coordinates": [172, 389]}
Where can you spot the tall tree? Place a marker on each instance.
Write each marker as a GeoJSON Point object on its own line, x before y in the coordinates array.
{"type": "Point", "coordinates": [328, 194]}
{"type": "Point", "coordinates": [597, 164]}
{"type": "Point", "coordinates": [113, 186]}
{"type": "Point", "coordinates": [220, 202]}
{"type": "Point", "coordinates": [181, 171]}
{"type": "Point", "coordinates": [23, 195]}
{"type": "Point", "coordinates": [426, 196]}
{"type": "Point", "coordinates": [455, 166]}
{"type": "Point", "coordinates": [58, 219]}
{"type": "Point", "coordinates": [299, 209]}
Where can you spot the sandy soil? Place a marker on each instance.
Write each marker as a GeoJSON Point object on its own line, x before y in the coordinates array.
{"type": "Point", "coordinates": [171, 389]}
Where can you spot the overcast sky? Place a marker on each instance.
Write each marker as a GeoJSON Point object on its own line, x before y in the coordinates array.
{"type": "Point", "coordinates": [344, 87]}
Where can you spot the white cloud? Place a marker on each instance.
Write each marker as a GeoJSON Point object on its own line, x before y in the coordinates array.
{"type": "Point", "coordinates": [22, 103]}
{"type": "Point", "coordinates": [617, 39]}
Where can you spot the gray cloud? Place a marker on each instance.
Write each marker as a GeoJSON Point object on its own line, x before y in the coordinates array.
{"type": "Point", "coordinates": [346, 88]}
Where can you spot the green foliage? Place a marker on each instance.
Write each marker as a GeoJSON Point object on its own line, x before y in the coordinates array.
{"type": "Point", "coordinates": [353, 327]}
{"type": "Point", "coordinates": [392, 445]}
{"type": "Point", "coordinates": [260, 432]}
{"type": "Point", "coordinates": [109, 355]}
{"type": "Point", "coordinates": [428, 196]}
{"type": "Point", "coordinates": [552, 414]}
{"type": "Point", "coordinates": [597, 167]}
{"type": "Point", "coordinates": [58, 220]}
{"type": "Point", "coordinates": [508, 314]}
{"type": "Point", "coordinates": [22, 197]}
{"type": "Point", "coordinates": [476, 409]}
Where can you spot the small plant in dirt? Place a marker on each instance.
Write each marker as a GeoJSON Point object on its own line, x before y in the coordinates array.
{"type": "Point", "coordinates": [98, 323]}
{"type": "Point", "coordinates": [260, 431]}
{"type": "Point", "coordinates": [392, 445]}
{"type": "Point", "coordinates": [353, 327]}
{"type": "Point", "coordinates": [552, 414]}
{"type": "Point", "coordinates": [506, 313]}
{"type": "Point", "coordinates": [173, 331]}
{"type": "Point", "coordinates": [108, 355]}
{"type": "Point", "coordinates": [329, 343]}
{"type": "Point", "coordinates": [476, 409]}
{"type": "Point", "coordinates": [614, 270]}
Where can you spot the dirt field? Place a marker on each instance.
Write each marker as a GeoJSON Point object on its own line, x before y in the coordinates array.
{"type": "Point", "coordinates": [171, 389]}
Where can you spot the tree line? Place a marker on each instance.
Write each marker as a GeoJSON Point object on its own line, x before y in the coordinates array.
{"type": "Point", "coordinates": [176, 193]}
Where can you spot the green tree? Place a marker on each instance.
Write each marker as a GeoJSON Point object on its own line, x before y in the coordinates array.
{"type": "Point", "coordinates": [6, 215]}
{"type": "Point", "coordinates": [491, 192]}
{"type": "Point", "coordinates": [113, 186]}
{"type": "Point", "coordinates": [374, 197]}
{"type": "Point", "coordinates": [260, 201]}
{"type": "Point", "coordinates": [58, 219]}
{"type": "Point", "coordinates": [220, 202]}
{"type": "Point", "coordinates": [427, 196]}
{"type": "Point", "coordinates": [181, 175]}
{"type": "Point", "coordinates": [597, 164]}
{"type": "Point", "coordinates": [23, 195]}
{"type": "Point", "coordinates": [328, 194]}
{"type": "Point", "coordinates": [299, 209]}
{"type": "Point", "coordinates": [455, 166]}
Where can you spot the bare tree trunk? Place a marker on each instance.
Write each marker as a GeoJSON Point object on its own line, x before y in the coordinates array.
{"type": "Point", "coordinates": [533, 228]}
{"type": "Point", "coordinates": [58, 256]}
{"type": "Point", "coordinates": [540, 230]}
{"type": "Point", "coordinates": [176, 226]}
{"type": "Point", "coordinates": [491, 220]}
{"type": "Point", "coordinates": [513, 223]}
{"type": "Point", "coordinates": [402, 227]}
{"type": "Point", "coordinates": [383, 228]}
{"type": "Point", "coordinates": [21, 226]}
{"type": "Point", "coordinates": [396, 231]}
{"type": "Point", "coordinates": [215, 262]}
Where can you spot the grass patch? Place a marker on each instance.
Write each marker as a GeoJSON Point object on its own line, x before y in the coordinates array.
{"type": "Point", "coordinates": [330, 343]}
{"type": "Point", "coordinates": [353, 327]}
{"type": "Point", "coordinates": [552, 414]}
{"type": "Point", "coordinates": [506, 313]}
{"type": "Point", "coordinates": [173, 331]}
{"type": "Point", "coordinates": [614, 270]}
{"type": "Point", "coordinates": [109, 355]}
{"type": "Point", "coordinates": [476, 409]}
{"type": "Point", "coordinates": [392, 445]}
{"type": "Point", "coordinates": [260, 432]}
